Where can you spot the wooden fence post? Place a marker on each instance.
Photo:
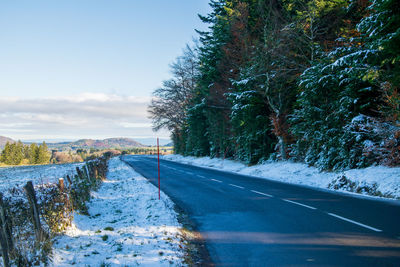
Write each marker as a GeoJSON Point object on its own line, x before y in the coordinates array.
{"type": "Point", "coordinates": [5, 222]}
{"type": "Point", "coordinates": [90, 166]}
{"type": "Point", "coordinates": [61, 184]}
{"type": "Point", "coordinates": [69, 181]}
{"type": "Point", "coordinates": [103, 169]}
{"type": "Point", "coordinates": [30, 192]}
{"type": "Point", "coordinates": [4, 249]}
{"type": "Point", "coordinates": [95, 172]}
{"type": "Point", "coordinates": [78, 171]}
{"type": "Point", "coordinates": [87, 173]}
{"type": "Point", "coordinates": [5, 234]}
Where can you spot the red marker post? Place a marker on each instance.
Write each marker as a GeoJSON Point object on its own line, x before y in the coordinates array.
{"type": "Point", "coordinates": [158, 158]}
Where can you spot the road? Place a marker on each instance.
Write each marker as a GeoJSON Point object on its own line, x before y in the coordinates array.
{"type": "Point", "coordinates": [248, 221]}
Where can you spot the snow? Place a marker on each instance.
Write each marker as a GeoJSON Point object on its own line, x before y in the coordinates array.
{"type": "Point", "coordinates": [385, 179]}
{"type": "Point", "coordinates": [127, 225]}
{"type": "Point", "coordinates": [243, 82]}
{"type": "Point", "coordinates": [39, 174]}
{"type": "Point", "coordinates": [358, 119]}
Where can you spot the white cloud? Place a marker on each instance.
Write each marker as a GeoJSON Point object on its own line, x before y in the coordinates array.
{"type": "Point", "coordinates": [77, 116]}
{"type": "Point", "coordinates": [135, 125]}
{"type": "Point", "coordinates": [15, 125]}
{"type": "Point", "coordinates": [4, 131]}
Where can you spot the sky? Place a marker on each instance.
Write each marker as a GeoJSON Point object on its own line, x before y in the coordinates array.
{"type": "Point", "coordinates": [72, 69]}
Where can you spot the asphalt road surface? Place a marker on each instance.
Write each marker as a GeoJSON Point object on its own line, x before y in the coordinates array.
{"type": "Point", "coordinates": [248, 221]}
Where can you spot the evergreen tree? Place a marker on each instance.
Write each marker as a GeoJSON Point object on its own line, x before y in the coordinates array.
{"type": "Point", "coordinates": [381, 47]}
{"type": "Point", "coordinates": [337, 92]}
{"type": "Point", "coordinates": [12, 153]}
{"type": "Point", "coordinates": [18, 153]}
{"type": "Point", "coordinates": [213, 83]}
{"type": "Point", "coordinates": [6, 154]}
{"type": "Point", "coordinates": [315, 79]}
{"type": "Point", "coordinates": [332, 95]}
{"type": "Point", "coordinates": [33, 153]}
{"type": "Point", "coordinates": [43, 155]}
{"type": "Point", "coordinates": [197, 141]}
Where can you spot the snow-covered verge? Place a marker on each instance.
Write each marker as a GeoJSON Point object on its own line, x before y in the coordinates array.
{"type": "Point", "coordinates": [39, 174]}
{"type": "Point", "coordinates": [127, 225]}
{"type": "Point", "coordinates": [35, 213]}
{"type": "Point", "coordinates": [376, 181]}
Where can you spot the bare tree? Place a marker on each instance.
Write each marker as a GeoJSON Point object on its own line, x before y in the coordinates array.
{"type": "Point", "coordinates": [169, 104]}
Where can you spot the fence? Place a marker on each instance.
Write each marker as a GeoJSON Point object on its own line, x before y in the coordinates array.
{"type": "Point", "coordinates": [32, 215]}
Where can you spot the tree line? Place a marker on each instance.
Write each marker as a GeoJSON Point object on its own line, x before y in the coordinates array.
{"type": "Point", "coordinates": [315, 81]}
{"type": "Point", "coordinates": [17, 153]}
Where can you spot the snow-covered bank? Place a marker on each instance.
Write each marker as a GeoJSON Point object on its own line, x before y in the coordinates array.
{"type": "Point", "coordinates": [127, 225]}
{"type": "Point", "coordinates": [377, 180]}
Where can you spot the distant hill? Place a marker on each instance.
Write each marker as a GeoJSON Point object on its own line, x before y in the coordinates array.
{"type": "Point", "coordinates": [152, 141]}
{"type": "Point", "coordinates": [122, 143]}
{"type": "Point", "coordinates": [98, 144]}
{"type": "Point", "coordinates": [4, 140]}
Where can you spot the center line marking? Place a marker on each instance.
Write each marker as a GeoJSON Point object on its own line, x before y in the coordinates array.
{"type": "Point", "coordinates": [260, 193]}
{"type": "Point", "coordinates": [357, 223]}
{"type": "Point", "coordinates": [297, 203]}
{"type": "Point", "coordinates": [216, 180]}
{"type": "Point", "coordinates": [241, 187]}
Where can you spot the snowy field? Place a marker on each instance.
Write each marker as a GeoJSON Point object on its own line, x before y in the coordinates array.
{"type": "Point", "coordinates": [39, 174]}
{"type": "Point", "coordinates": [378, 178]}
{"type": "Point", "coordinates": [127, 226]}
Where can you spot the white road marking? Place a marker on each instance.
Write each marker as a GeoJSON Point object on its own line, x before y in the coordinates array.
{"type": "Point", "coordinates": [297, 203]}
{"type": "Point", "coordinates": [241, 187]}
{"type": "Point", "coordinates": [260, 193]}
{"type": "Point", "coordinates": [216, 180]}
{"type": "Point", "coordinates": [357, 223]}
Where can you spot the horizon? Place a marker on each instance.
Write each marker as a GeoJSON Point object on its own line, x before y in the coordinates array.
{"type": "Point", "coordinates": [143, 140]}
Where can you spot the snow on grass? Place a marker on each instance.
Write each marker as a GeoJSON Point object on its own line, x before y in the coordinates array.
{"type": "Point", "coordinates": [39, 174]}
{"type": "Point", "coordinates": [384, 179]}
{"type": "Point", "coordinates": [127, 225]}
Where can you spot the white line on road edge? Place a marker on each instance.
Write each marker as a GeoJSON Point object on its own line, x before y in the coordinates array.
{"type": "Point", "coordinates": [297, 203]}
{"type": "Point", "coordinates": [241, 187]}
{"type": "Point", "coordinates": [254, 191]}
{"type": "Point", "coordinates": [351, 221]}
{"type": "Point", "coordinates": [216, 180]}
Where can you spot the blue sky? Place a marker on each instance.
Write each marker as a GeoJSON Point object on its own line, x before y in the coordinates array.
{"type": "Point", "coordinates": [106, 55]}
